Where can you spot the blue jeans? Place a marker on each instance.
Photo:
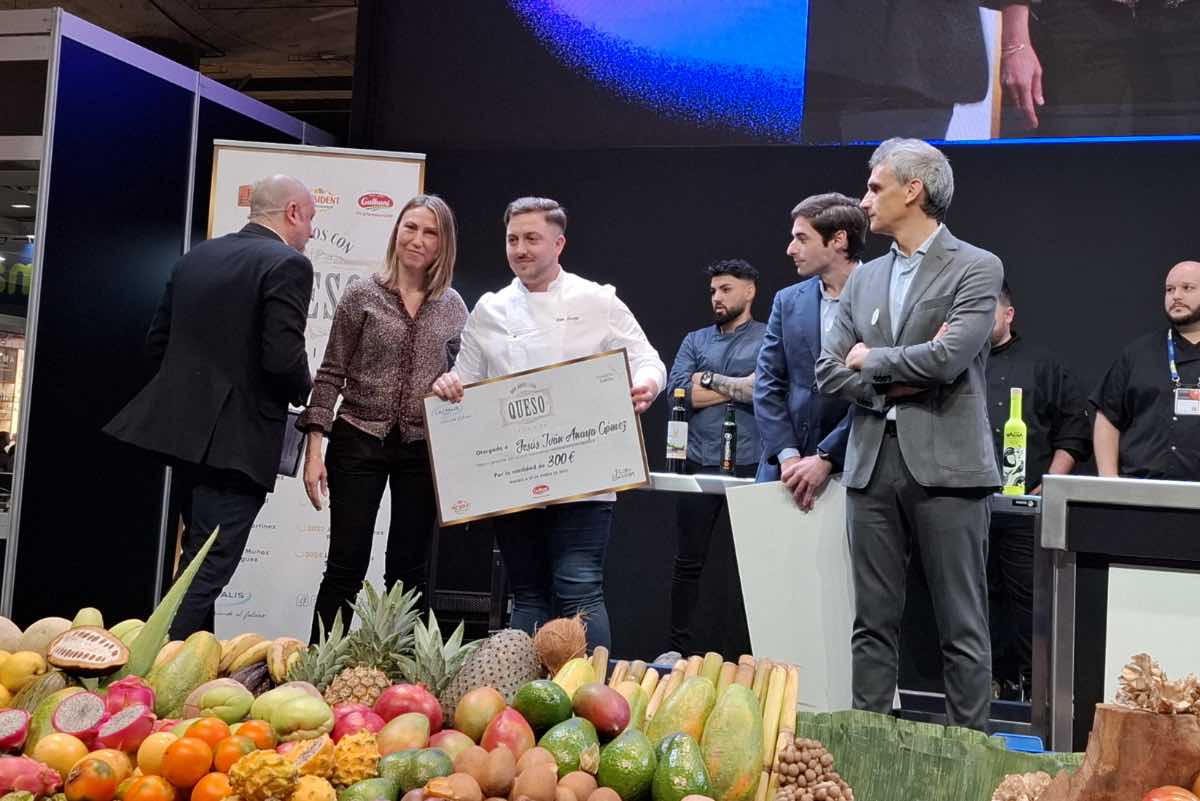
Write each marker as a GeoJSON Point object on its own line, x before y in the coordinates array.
{"type": "Point", "coordinates": [555, 562]}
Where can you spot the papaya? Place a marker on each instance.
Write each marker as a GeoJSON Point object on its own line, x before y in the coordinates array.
{"type": "Point", "coordinates": [195, 663]}
{"type": "Point", "coordinates": [40, 722]}
{"type": "Point", "coordinates": [573, 675]}
{"type": "Point", "coordinates": [685, 711]}
{"type": "Point", "coordinates": [733, 745]}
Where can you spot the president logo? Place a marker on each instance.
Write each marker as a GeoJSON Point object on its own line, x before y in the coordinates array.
{"type": "Point", "coordinates": [541, 489]}
{"type": "Point", "coordinates": [324, 199]}
{"type": "Point", "coordinates": [526, 407]}
{"type": "Point", "coordinates": [373, 201]}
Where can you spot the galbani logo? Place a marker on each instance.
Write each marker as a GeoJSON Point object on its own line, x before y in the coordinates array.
{"type": "Point", "coordinates": [324, 199]}
{"type": "Point", "coordinates": [375, 200]}
{"type": "Point", "coordinates": [541, 489]}
{"type": "Point", "coordinates": [460, 506]}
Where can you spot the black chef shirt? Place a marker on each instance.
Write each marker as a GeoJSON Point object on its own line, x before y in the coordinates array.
{"type": "Point", "coordinates": [1137, 397]}
{"type": "Point", "coordinates": [1053, 406]}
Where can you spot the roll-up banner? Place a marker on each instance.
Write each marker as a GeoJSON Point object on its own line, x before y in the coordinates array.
{"type": "Point", "coordinates": [358, 194]}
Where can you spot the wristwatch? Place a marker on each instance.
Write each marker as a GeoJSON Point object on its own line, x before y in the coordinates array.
{"type": "Point", "coordinates": [823, 454]}
{"type": "Point", "coordinates": [706, 379]}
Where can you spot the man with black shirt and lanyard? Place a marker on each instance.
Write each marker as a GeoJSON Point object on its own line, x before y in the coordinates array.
{"type": "Point", "coordinates": [1148, 405]}
{"type": "Point", "coordinates": [1055, 414]}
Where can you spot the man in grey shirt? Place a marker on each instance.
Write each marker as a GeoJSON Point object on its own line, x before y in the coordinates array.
{"type": "Point", "coordinates": [715, 367]}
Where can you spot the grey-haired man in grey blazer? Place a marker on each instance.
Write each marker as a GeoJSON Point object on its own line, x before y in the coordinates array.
{"type": "Point", "coordinates": [909, 348]}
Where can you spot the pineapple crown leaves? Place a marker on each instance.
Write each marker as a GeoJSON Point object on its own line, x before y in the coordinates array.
{"type": "Point", "coordinates": [386, 623]}
{"type": "Point", "coordinates": [435, 663]}
{"type": "Point", "coordinates": [321, 662]}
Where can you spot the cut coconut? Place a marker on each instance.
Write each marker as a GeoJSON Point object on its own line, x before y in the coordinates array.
{"type": "Point", "coordinates": [81, 716]}
{"type": "Point", "coordinates": [125, 730]}
{"type": "Point", "coordinates": [88, 651]}
{"type": "Point", "coordinates": [14, 728]}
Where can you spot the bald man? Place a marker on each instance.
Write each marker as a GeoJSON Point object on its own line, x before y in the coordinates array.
{"type": "Point", "coordinates": [1148, 405]}
{"type": "Point", "coordinates": [228, 343]}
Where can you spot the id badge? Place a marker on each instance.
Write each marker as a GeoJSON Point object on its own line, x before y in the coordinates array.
{"type": "Point", "coordinates": [1187, 402]}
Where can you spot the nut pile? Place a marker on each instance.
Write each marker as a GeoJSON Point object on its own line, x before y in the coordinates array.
{"type": "Point", "coordinates": [806, 773]}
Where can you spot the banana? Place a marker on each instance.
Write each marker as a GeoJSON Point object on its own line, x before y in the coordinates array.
{"type": "Point", "coordinates": [277, 659]}
{"type": "Point", "coordinates": [167, 652]}
{"type": "Point", "coordinates": [235, 647]}
{"type": "Point", "coordinates": [252, 655]}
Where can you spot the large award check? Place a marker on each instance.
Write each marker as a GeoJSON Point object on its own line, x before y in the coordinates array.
{"type": "Point", "coordinates": [556, 433]}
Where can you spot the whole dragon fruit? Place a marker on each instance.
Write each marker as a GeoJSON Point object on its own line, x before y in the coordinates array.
{"type": "Point", "coordinates": [127, 692]}
{"type": "Point", "coordinates": [23, 773]}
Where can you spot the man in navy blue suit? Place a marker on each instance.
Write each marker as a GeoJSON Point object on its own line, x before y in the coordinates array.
{"type": "Point", "coordinates": [804, 433]}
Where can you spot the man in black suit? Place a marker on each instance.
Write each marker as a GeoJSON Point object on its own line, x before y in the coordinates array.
{"type": "Point", "coordinates": [228, 339]}
{"type": "Point", "coordinates": [882, 68]}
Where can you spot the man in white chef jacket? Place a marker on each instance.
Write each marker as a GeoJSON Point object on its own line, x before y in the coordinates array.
{"type": "Point", "coordinates": [554, 555]}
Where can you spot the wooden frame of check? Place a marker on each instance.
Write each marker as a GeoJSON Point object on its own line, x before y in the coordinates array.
{"type": "Point", "coordinates": [558, 433]}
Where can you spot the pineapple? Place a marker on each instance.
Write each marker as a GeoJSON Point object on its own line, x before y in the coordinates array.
{"type": "Point", "coordinates": [377, 649]}
{"type": "Point", "coordinates": [506, 661]}
{"type": "Point", "coordinates": [435, 663]}
{"type": "Point", "coordinates": [322, 662]}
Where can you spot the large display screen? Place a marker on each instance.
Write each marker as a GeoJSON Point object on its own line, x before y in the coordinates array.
{"type": "Point", "coordinates": [583, 73]}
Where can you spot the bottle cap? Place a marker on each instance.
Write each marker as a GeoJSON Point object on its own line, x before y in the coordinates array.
{"type": "Point", "coordinates": [1014, 392]}
{"type": "Point", "coordinates": [679, 392]}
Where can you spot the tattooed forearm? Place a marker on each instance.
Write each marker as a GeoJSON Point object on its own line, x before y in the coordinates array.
{"type": "Point", "coordinates": [738, 389]}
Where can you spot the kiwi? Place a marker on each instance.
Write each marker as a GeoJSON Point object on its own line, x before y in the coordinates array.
{"type": "Point", "coordinates": [538, 783]}
{"type": "Point", "coordinates": [581, 784]}
{"type": "Point", "coordinates": [499, 772]}
{"type": "Point", "coordinates": [535, 756]}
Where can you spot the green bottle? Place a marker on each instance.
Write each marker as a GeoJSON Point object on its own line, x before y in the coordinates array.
{"type": "Point", "coordinates": [1013, 462]}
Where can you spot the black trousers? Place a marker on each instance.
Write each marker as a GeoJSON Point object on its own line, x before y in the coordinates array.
{"type": "Point", "coordinates": [212, 498]}
{"type": "Point", "coordinates": [359, 467]}
{"type": "Point", "coordinates": [697, 516]}
{"type": "Point", "coordinates": [1110, 70]}
{"type": "Point", "coordinates": [889, 519]}
{"type": "Point", "coordinates": [1010, 597]}
{"type": "Point", "coordinates": [838, 109]}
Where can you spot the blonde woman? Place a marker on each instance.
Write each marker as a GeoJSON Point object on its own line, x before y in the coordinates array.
{"type": "Point", "coordinates": [392, 335]}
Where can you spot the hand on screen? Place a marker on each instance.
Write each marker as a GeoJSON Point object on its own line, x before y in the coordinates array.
{"type": "Point", "coordinates": [316, 480]}
{"type": "Point", "coordinates": [1021, 75]}
{"type": "Point", "coordinates": [805, 477]}
{"type": "Point", "coordinates": [448, 387]}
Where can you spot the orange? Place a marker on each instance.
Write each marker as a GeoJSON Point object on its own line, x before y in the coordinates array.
{"type": "Point", "coordinates": [186, 761]}
{"type": "Point", "coordinates": [212, 787]}
{"type": "Point", "coordinates": [117, 760]}
{"type": "Point", "coordinates": [150, 753]}
{"type": "Point", "coordinates": [150, 788]}
{"type": "Point", "coordinates": [230, 750]}
{"type": "Point", "coordinates": [91, 780]}
{"type": "Point", "coordinates": [260, 732]}
{"type": "Point", "coordinates": [210, 730]}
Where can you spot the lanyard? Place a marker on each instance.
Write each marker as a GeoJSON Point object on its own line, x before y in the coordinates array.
{"type": "Point", "coordinates": [1171, 358]}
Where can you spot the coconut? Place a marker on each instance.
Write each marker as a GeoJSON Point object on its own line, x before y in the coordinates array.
{"type": "Point", "coordinates": [14, 728]}
{"type": "Point", "coordinates": [125, 730]}
{"type": "Point", "coordinates": [561, 640]}
{"type": "Point", "coordinates": [87, 651]}
{"type": "Point", "coordinates": [81, 716]}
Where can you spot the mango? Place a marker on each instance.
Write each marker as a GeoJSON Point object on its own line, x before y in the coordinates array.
{"type": "Point", "coordinates": [195, 664]}
{"type": "Point", "coordinates": [685, 711]}
{"type": "Point", "coordinates": [606, 708]}
{"type": "Point", "coordinates": [733, 744]}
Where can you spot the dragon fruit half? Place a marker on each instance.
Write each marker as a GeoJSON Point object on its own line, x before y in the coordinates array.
{"type": "Point", "coordinates": [80, 715]}
{"type": "Point", "coordinates": [14, 728]}
{"type": "Point", "coordinates": [23, 773]}
{"type": "Point", "coordinates": [126, 692]}
{"type": "Point", "coordinates": [125, 730]}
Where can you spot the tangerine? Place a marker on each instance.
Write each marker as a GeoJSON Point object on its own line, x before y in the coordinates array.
{"type": "Point", "coordinates": [210, 730]}
{"type": "Point", "coordinates": [186, 761]}
{"type": "Point", "coordinates": [212, 787]}
{"type": "Point", "coordinates": [150, 788]}
{"type": "Point", "coordinates": [150, 752]}
{"type": "Point", "coordinates": [230, 750]}
{"type": "Point", "coordinates": [91, 780]}
{"type": "Point", "coordinates": [260, 732]}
